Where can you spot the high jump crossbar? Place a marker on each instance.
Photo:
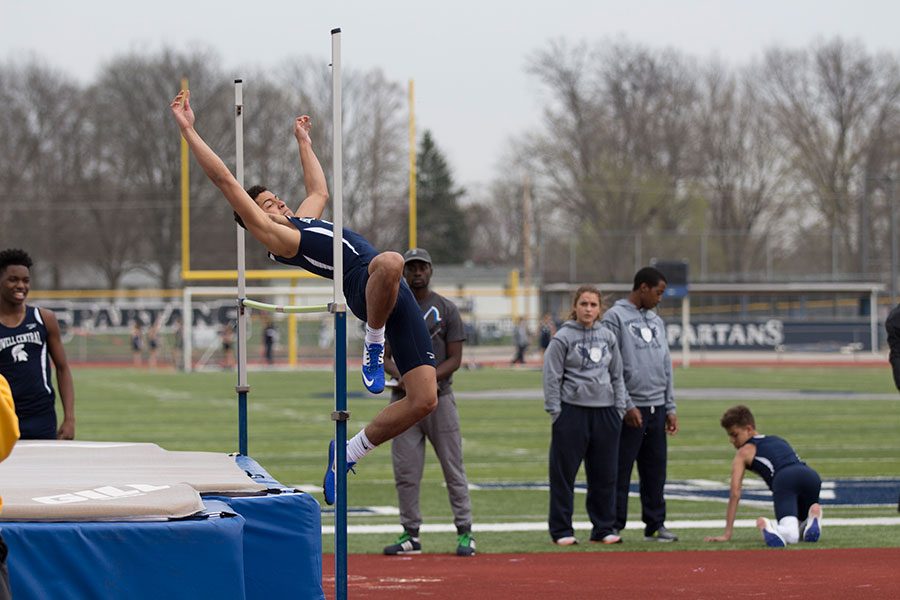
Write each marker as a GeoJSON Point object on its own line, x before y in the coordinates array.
{"type": "Point", "coordinates": [285, 308]}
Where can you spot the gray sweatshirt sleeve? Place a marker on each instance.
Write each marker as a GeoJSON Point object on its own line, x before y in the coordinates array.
{"type": "Point", "coordinates": [670, 385]}
{"type": "Point", "coordinates": [611, 322]}
{"type": "Point", "coordinates": [554, 368]}
{"type": "Point", "coordinates": [618, 380]}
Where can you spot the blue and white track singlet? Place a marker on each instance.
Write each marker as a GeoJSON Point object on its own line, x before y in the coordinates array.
{"type": "Point", "coordinates": [25, 362]}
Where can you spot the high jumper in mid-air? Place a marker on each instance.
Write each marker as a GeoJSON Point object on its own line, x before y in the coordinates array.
{"type": "Point", "coordinates": [372, 282]}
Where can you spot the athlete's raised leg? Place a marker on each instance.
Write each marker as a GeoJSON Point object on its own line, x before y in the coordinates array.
{"type": "Point", "coordinates": [385, 272]}
{"type": "Point", "coordinates": [394, 419]}
{"type": "Point", "coordinates": [397, 417]}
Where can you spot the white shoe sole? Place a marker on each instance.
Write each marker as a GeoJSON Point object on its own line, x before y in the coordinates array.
{"type": "Point", "coordinates": [814, 525]}
{"type": "Point", "coordinates": [566, 541]}
{"type": "Point", "coordinates": [772, 538]}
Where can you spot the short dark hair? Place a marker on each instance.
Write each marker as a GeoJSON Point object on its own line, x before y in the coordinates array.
{"type": "Point", "coordinates": [737, 416]}
{"type": "Point", "coordinates": [253, 192]}
{"type": "Point", "coordinates": [256, 190]}
{"type": "Point", "coordinates": [648, 275]}
{"type": "Point", "coordinates": [14, 256]}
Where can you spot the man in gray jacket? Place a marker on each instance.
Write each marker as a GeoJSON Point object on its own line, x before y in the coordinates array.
{"type": "Point", "coordinates": [650, 408]}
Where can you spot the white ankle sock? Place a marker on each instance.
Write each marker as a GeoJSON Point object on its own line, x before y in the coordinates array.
{"type": "Point", "coordinates": [358, 447]}
{"type": "Point", "coordinates": [789, 528]}
{"type": "Point", "coordinates": [374, 336]}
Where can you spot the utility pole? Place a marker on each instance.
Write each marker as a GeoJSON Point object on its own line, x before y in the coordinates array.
{"type": "Point", "coordinates": [863, 231]}
{"type": "Point", "coordinates": [526, 245]}
{"type": "Point", "coordinates": [413, 224]}
{"type": "Point", "coordinates": [892, 182]}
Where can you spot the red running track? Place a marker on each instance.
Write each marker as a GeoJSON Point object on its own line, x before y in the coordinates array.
{"type": "Point", "coordinates": [845, 574]}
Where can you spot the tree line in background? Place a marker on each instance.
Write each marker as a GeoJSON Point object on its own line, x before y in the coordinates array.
{"type": "Point", "coordinates": [788, 161]}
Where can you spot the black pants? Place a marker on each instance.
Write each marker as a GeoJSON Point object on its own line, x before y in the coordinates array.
{"type": "Point", "coordinates": [519, 358]}
{"type": "Point", "coordinates": [591, 435]}
{"type": "Point", "coordinates": [649, 447]}
{"type": "Point", "coordinates": [4, 573]}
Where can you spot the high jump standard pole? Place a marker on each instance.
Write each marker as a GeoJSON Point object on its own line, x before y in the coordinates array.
{"type": "Point", "coordinates": [339, 308]}
{"type": "Point", "coordinates": [242, 386]}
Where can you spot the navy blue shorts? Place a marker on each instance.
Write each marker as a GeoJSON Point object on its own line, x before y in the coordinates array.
{"type": "Point", "coordinates": [405, 328]}
{"type": "Point", "coordinates": [40, 426]}
{"type": "Point", "coordinates": [794, 490]}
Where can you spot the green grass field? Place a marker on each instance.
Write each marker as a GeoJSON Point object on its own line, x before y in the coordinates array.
{"type": "Point", "coordinates": [506, 440]}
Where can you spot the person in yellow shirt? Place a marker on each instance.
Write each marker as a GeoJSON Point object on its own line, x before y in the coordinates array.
{"type": "Point", "coordinates": [9, 433]}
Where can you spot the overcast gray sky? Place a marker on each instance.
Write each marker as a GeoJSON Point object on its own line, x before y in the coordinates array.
{"type": "Point", "coordinates": [467, 57]}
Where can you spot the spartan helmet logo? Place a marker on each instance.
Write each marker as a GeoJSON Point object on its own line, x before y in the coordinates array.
{"type": "Point", "coordinates": [646, 332]}
{"type": "Point", "coordinates": [19, 354]}
{"type": "Point", "coordinates": [594, 354]}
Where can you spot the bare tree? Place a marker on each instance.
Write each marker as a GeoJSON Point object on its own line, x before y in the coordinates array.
{"type": "Point", "coordinates": [740, 167]}
{"type": "Point", "coordinates": [616, 147]}
{"type": "Point", "coordinates": [833, 103]}
{"type": "Point", "coordinates": [40, 183]}
{"type": "Point", "coordinates": [140, 155]}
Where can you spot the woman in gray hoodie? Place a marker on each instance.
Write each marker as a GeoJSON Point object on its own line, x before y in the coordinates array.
{"type": "Point", "coordinates": [584, 393]}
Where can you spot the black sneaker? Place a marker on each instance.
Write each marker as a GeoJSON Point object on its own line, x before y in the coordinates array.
{"type": "Point", "coordinates": [661, 535]}
{"type": "Point", "coordinates": [465, 545]}
{"type": "Point", "coordinates": [405, 544]}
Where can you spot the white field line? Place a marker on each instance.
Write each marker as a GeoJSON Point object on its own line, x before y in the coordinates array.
{"type": "Point", "coordinates": [586, 525]}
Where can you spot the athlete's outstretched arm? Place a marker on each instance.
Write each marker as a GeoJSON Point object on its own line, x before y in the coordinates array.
{"type": "Point", "coordinates": [313, 175]}
{"type": "Point", "coordinates": [742, 458]}
{"type": "Point", "coordinates": [280, 240]}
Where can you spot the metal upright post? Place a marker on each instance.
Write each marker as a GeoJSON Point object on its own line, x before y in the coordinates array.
{"type": "Point", "coordinates": [340, 415]}
{"type": "Point", "coordinates": [242, 386]}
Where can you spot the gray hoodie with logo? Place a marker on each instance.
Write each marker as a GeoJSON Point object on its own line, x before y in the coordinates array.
{"type": "Point", "coordinates": [646, 363]}
{"type": "Point", "coordinates": [582, 366]}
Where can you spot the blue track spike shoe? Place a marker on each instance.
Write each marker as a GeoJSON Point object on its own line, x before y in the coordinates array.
{"type": "Point", "coordinates": [770, 534]}
{"type": "Point", "coordinates": [373, 368]}
{"type": "Point", "coordinates": [813, 524]}
{"type": "Point", "coordinates": [329, 483]}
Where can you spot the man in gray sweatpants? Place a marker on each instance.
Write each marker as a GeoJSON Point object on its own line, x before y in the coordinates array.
{"type": "Point", "coordinates": [650, 406]}
{"type": "Point", "coordinates": [441, 427]}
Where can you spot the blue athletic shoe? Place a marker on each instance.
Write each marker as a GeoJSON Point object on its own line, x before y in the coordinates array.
{"type": "Point", "coordinates": [813, 524]}
{"type": "Point", "coordinates": [329, 483]}
{"type": "Point", "coordinates": [770, 534]}
{"type": "Point", "coordinates": [373, 368]}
